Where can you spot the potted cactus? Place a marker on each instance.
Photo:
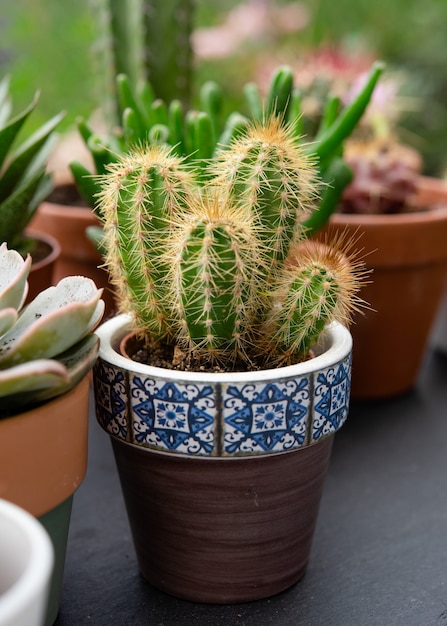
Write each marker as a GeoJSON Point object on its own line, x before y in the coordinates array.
{"type": "Point", "coordinates": [227, 374]}
{"type": "Point", "coordinates": [24, 184]}
{"type": "Point", "coordinates": [46, 351]}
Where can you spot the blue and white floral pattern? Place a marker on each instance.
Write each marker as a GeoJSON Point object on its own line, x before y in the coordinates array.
{"type": "Point", "coordinates": [111, 399]}
{"type": "Point", "coordinates": [264, 417]}
{"type": "Point", "coordinates": [222, 416]}
{"type": "Point", "coordinates": [176, 417]}
{"type": "Point", "coordinates": [222, 419]}
{"type": "Point", "coordinates": [331, 396]}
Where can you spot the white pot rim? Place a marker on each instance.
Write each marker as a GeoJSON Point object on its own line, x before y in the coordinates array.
{"type": "Point", "coordinates": [39, 562]}
{"type": "Point", "coordinates": [337, 345]}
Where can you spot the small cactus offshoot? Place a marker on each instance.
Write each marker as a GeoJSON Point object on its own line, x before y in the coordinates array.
{"type": "Point", "coordinates": [213, 267]}
{"type": "Point", "coordinates": [48, 346]}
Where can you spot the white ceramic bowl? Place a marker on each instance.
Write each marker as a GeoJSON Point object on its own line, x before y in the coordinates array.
{"type": "Point", "coordinates": [26, 566]}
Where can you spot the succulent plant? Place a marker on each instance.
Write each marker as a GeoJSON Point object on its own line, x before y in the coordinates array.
{"type": "Point", "coordinates": [385, 177]}
{"type": "Point", "coordinates": [24, 182]}
{"type": "Point", "coordinates": [220, 263]}
{"type": "Point", "coordinates": [199, 135]}
{"type": "Point", "coordinates": [48, 346]}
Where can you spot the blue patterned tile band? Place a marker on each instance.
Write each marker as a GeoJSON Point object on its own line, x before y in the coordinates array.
{"type": "Point", "coordinates": [222, 419]}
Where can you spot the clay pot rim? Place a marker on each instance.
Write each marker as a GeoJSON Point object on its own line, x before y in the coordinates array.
{"type": "Point", "coordinates": [430, 214]}
{"type": "Point", "coordinates": [431, 211]}
{"type": "Point", "coordinates": [73, 211]}
{"type": "Point", "coordinates": [50, 241]}
{"type": "Point", "coordinates": [338, 344]}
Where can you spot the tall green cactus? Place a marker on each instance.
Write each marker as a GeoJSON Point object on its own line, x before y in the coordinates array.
{"type": "Point", "coordinates": [209, 264]}
{"type": "Point", "coordinates": [144, 39]}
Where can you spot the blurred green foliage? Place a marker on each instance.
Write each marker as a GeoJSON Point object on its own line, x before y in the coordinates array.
{"type": "Point", "coordinates": [50, 45]}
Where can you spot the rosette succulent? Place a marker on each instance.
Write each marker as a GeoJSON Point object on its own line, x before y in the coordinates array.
{"type": "Point", "coordinates": [47, 346]}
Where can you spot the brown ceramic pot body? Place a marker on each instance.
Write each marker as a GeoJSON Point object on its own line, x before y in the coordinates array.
{"type": "Point", "coordinates": [43, 452]}
{"type": "Point", "coordinates": [42, 271]}
{"type": "Point", "coordinates": [222, 474]}
{"type": "Point", "coordinates": [408, 256]}
{"type": "Point", "coordinates": [222, 530]}
{"type": "Point", "coordinates": [68, 224]}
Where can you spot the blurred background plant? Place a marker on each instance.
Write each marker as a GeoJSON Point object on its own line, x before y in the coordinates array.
{"type": "Point", "coordinates": [56, 46]}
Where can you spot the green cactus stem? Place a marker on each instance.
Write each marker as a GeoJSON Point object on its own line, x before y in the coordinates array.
{"type": "Point", "coordinates": [319, 286]}
{"type": "Point", "coordinates": [216, 263]}
{"type": "Point", "coordinates": [270, 174]}
{"type": "Point", "coordinates": [143, 191]}
{"type": "Point", "coordinates": [213, 255]}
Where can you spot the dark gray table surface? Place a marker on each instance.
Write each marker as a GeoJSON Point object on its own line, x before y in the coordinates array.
{"type": "Point", "coordinates": [379, 556]}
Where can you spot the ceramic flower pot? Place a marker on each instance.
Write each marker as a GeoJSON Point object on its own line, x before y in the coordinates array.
{"type": "Point", "coordinates": [222, 474]}
{"type": "Point", "coordinates": [43, 456]}
{"type": "Point", "coordinates": [408, 255]}
{"type": "Point", "coordinates": [26, 565]}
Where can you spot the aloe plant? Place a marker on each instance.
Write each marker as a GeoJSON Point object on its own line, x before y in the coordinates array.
{"type": "Point", "coordinates": [214, 257]}
{"type": "Point", "coordinates": [198, 135]}
{"type": "Point", "coordinates": [48, 346]}
{"type": "Point", "coordinates": [24, 182]}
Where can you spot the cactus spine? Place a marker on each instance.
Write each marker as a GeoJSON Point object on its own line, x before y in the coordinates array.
{"type": "Point", "coordinates": [269, 173]}
{"type": "Point", "coordinates": [214, 269]}
{"type": "Point", "coordinates": [145, 189]}
{"type": "Point", "coordinates": [320, 285]}
{"type": "Point", "coordinates": [209, 262]}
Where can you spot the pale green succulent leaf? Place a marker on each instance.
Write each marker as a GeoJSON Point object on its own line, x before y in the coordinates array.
{"type": "Point", "coordinates": [31, 376]}
{"type": "Point", "coordinates": [56, 319]}
{"type": "Point", "coordinates": [13, 278]}
{"type": "Point", "coordinates": [5, 101]}
{"type": "Point", "coordinates": [52, 377]}
{"type": "Point", "coordinates": [8, 318]}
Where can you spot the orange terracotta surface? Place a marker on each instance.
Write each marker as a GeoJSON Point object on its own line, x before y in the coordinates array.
{"type": "Point", "coordinates": [68, 224]}
{"type": "Point", "coordinates": [408, 256]}
{"type": "Point", "coordinates": [42, 272]}
{"type": "Point", "coordinates": [43, 452]}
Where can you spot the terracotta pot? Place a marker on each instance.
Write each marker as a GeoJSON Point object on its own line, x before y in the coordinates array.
{"type": "Point", "coordinates": [68, 222]}
{"type": "Point", "coordinates": [43, 460]}
{"type": "Point", "coordinates": [222, 474]}
{"type": "Point", "coordinates": [43, 267]}
{"type": "Point", "coordinates": [408, 255]}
